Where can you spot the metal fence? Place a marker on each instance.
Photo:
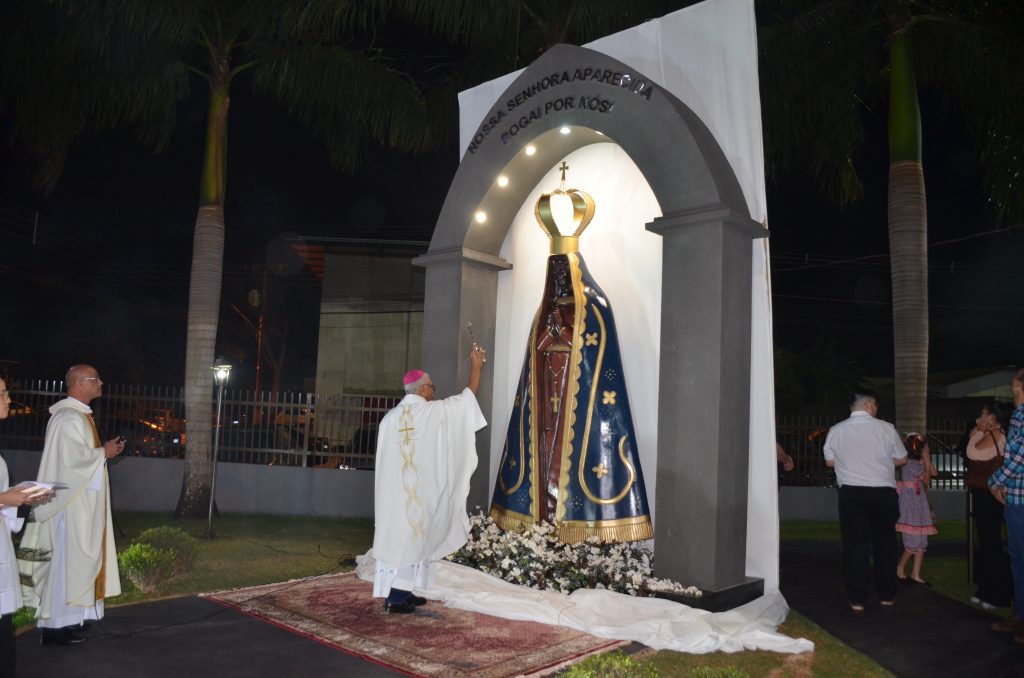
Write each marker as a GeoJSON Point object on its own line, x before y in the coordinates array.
{"type": "Point", "coordinates": [287, 429]}
{"type": "Point", "coordinates": [340, 431]}
{"type": "Point", "coordinates": [803, 437]}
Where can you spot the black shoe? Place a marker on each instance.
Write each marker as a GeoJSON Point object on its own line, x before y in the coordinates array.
{"type": "Point", "coordinates": [399, 608]}
{"type": "Point", "coordinates": [416, 600]}
{"type": "Point", "coordinates": [63, 636]}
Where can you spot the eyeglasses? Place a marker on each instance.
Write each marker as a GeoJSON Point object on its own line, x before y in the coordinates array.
{"type": "Point", "coordinates": [89, 379]}
{"type": "Point", "coordinates": [4, 394]}
{"type": "Point", "coordinates": [430, 385]}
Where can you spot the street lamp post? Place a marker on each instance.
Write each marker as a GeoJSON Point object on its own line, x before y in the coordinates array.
{"type": "Point", "coordinates": [221, 371]}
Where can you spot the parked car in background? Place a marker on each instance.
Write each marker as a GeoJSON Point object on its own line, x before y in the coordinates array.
{"type": "Point", "coordinates": [18, 409]}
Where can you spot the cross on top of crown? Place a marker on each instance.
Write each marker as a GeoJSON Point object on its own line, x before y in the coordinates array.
{"type": "Point", "coordinates": [564, 168]}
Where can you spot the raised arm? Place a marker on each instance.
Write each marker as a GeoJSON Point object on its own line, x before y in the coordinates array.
{"type": "Point", "coordinates": [477, 358]}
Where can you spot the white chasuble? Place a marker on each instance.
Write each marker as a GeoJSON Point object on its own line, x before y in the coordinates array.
{"type": "Point", "coordinates": [10, 588]}
{"type": "Point", "coordinates": [76, 526]}
{"type": "Point", "coordinates": [426, 455]}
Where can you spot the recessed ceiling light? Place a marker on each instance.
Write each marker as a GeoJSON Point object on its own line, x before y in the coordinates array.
{"type": "Point", "coordinates": [503, 181]}
{"type": "Point", "coordinates": [601, 133]}
{"type": "Point", "coordinates": [531, 149]}
{"type": "Point", "coordinates": [564, 130]}
{"type": "Point", "coordinates": [480, 216]}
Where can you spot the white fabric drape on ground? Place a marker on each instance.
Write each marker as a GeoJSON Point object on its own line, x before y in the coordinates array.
{"type": "Point", "coordinates": [660, 624]}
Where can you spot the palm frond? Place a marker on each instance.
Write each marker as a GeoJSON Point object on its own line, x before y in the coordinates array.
{"type": "Point", "coordinates": [820, 68]}
{"type": "Point", "coordinates": [69, 73]}
{"type": "Point", "coordinates": [345, 97]}
{"type": "Point", "coordinates": [332, 17]}
{"type": "Point", "coordinates": [167, 21]}
{"type": "Point", "coordinates": [972, 55]}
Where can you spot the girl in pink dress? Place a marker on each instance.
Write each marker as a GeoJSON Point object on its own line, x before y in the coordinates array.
{"type": "Point", "coordinates": [915, 523]}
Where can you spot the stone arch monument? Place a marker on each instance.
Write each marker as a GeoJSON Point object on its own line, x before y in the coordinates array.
{"type": "Point", "coordinates": [706, 232]}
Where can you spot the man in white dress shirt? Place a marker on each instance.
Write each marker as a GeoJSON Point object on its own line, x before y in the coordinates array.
{"type": "Point", "coordinates": [865, 451]}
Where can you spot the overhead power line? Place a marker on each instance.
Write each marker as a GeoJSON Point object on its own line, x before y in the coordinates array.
{"type": "Point", "coordinates": [884, 256]}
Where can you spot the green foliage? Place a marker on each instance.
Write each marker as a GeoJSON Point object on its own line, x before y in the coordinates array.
{"type": "Point", "coordinates": [824, 75]}
{"type": "Point", "coordinates": [173, 539]}
{"type": "Point", "coordinates": [145, 567]}
{"type": "Point", "coordinates": [820, 377]}
{"type": "Point", "coordinates": [718, 672]}
{"type": "Point", "coordinates": [611, 665]}
{"type": "Point", "coordinates": [272, 549]}
{"type": "Point", "coordinates": [24, 617]}
{"type": "Point", "coordinates": [125, 65]}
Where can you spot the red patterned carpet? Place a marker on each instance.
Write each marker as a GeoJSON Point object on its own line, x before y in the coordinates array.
{"type": "Point", "coordinates": [338, 610]}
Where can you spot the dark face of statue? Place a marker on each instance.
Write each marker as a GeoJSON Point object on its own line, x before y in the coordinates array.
{"type": "Point", "coordinates": [561, 277]}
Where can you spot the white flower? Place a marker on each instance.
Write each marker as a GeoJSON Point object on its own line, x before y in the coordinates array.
{"type": "Point", "coordinates": [536, 558]}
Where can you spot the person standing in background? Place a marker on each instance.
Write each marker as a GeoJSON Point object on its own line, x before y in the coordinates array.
{"type": "Point", "coordinates": [865, 451]}
{"type": "Point", "coordinates": [10, 585]}
{"type": "Point", "coordinates": [1007, 485]}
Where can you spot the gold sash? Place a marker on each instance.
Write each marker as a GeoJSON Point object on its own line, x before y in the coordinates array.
{"type": "Point", "coordinates": [101, 578]}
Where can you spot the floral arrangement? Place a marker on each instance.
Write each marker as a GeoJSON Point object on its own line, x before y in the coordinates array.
{"type": "Point", "coordinates": [536, 558]}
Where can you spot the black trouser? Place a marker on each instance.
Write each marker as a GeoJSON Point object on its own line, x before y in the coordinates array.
{"type": "Point", "coordinates": [867, 520]}
{"type": "Point", "coordinates": [995, 584]}
{"type": "Point", "coordinates": [7, 646]}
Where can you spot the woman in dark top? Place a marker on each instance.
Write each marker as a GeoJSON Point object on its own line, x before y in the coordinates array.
{"type": "Point", "coordinates": [987, 441]}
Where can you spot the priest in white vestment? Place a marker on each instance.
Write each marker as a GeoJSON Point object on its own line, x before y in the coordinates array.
{"type": "Point", "coordinates": [426, 454]}
{"type": "Point", "coordinates": [69, 588]}
{"type": "Point", "coordinates": [10, 586]}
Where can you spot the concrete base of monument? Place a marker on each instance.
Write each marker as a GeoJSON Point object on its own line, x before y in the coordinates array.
{"type": "Point", "coordinates": [720, 600]}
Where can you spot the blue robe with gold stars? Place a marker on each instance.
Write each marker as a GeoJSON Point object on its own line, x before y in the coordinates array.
{"type": "Point", "coordinates": [600, 490]}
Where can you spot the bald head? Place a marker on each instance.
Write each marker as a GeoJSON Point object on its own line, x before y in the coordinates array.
{"type": "Point", "coordinates": [83, 383]}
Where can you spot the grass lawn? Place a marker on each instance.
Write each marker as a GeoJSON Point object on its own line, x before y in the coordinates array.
{"type": "Point", "coordinates": [253, 549]}
{"type": "Point", "coordinates": [830, 657]}
{"type": "Point", "coordinates": [818, 530]}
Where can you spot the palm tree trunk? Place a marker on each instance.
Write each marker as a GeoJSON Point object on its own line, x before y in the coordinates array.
{"type": "Point", "coordinates": [204, 309]}
{"type": "Point", "coordinates": [908, 250]}
{"type": "Point", "coordinates": [908, 238]}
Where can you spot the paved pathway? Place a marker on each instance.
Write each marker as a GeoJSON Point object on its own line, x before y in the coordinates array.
{"type": "Point", "coordinates": [188, 637]}
{"type": "Point", "coordinates": [924, 634]}
{"type": "Point", "coordinates": [194, 637]}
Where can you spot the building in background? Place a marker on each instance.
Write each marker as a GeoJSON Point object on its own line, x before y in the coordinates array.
{"type": "Point", "coordinates": [371, 311]}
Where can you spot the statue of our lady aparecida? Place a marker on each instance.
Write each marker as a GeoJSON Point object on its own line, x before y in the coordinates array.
{"type": "Point", "coordinates": [570, 455]}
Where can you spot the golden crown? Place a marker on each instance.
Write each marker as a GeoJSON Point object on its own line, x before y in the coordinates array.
{"type": "Point", "coordinates": [582, 212]}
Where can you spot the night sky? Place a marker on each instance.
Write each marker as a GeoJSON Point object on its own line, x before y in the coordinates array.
{"type": "Point", "coordinates": [107, 280]}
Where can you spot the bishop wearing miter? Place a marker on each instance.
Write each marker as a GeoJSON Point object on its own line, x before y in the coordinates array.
{"type": "Point", "coordinates": [426, 454]}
